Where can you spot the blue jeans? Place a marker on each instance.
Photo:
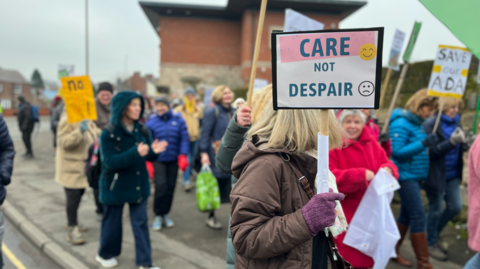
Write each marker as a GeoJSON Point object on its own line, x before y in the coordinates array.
{"type": "Point", "coordinates": [473, 263]}
{"type": "Point", "coordinates": [192, 153]}
{"type": "Point", "coordinates": [438, 217]}
{"type": "Point", "coordinates": [412, 212]}
{"type": "Point", "coordinates": [111, 234]}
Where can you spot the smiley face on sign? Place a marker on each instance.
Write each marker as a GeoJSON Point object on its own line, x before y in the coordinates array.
{"type": "Point", "coordinates": [367, 52]}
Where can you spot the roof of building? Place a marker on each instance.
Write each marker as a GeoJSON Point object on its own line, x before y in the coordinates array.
{"type": "Point", "coordinates": [12, 76]}
{"type": "Point", "coordinates": [235, 8]}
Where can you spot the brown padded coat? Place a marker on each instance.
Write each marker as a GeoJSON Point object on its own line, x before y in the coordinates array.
{"type": "Point", "coordinates": [268, 228]}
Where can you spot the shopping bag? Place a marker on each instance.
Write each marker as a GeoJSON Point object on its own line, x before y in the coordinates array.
{"type": "Point", "coordinates": [208, 194]}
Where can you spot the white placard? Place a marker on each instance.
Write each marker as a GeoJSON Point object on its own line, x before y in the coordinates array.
{"type": "Point", "coordinates": [322, 164]}
{"type": "Point", "coordinates": [259, 84]}
{"type": "Point", "coordinates": [327, 69]}
{"type": "Point", "coordinates": [393, 61]}
{"type": "Point", "coordinates": [65, 70]}
{"type": "Point", "coordinates": [295, 21]}
{"type": "Point", "coordinates": [449, 72]}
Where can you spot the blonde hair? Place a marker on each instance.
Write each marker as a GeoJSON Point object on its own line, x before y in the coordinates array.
{"type": "Point", "coordinates": [295, 130]}
{"type": "Point", "coordinates": [259, 102]}
{"type": "Point", "coordinates": [217, 94]}
{"type": "Point", "coordinates": [449, 102]}
{"type": "Point", "coordinates": [419, 100]}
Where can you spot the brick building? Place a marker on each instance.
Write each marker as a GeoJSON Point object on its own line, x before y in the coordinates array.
{"type": "Point", "coordinates": [12, 85]}
{"type": "Point", "coordinates": [217, 43]}
{"type": "Point", "coordinates": [145, 85]}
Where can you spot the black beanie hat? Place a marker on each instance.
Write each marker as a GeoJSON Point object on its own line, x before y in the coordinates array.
{"type": "Point", "coordinates": [162, 100]}
{"type": "Point", "coordinates": [105, 86]}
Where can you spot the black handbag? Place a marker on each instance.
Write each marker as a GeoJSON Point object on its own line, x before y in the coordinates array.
{"type": "Point", "coordinates": [336, 260]}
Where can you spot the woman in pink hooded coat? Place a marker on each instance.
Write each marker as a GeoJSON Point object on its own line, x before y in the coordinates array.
{"type": "Point", "coordinates": [474, 204]}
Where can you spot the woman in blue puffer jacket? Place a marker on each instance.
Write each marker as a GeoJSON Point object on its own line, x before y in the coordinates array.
{"type": "Point", "coordinates": [410, 155]}
{"type": "Point", "coordinates": [165, 125]}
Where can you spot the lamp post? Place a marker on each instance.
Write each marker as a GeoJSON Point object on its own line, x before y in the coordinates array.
{"type": "Point", "coordinates": [86, 37]}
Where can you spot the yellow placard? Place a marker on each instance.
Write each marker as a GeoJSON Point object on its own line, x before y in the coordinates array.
{"type": "Point", "coordinates": [79, 99]}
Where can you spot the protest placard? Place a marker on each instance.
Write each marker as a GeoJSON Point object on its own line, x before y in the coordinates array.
{"type": "Point", "coordinates": [397, 45]}
{"type": "Point", "coordinates": [449, 73]}
{"type": "Point", "coordinates": [295, 21]}
{"type": "Point", "coordinates": [79, 98]}
{"type": "Point", "coordinates": [412, 41]}
{"type": "Point", "coordinates": [65, 70]}
{"type": "Point", "coordinates": [327, 69]}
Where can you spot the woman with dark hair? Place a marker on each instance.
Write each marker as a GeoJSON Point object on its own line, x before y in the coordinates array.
{"type": "Point", "coordinates": [125, 145]}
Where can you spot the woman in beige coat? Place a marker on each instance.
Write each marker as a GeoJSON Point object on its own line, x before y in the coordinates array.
{"type": "Point", "coordinates": [73, 141]}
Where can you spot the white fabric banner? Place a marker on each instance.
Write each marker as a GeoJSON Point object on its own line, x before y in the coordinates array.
{"type": "Point", "coordinates": [295, 21]}
{"type": "Point", "coordinates": [373, 229]}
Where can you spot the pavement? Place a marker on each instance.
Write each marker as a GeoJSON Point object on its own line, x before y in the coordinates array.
{"type": "Point", "coordinates": [37, 204]}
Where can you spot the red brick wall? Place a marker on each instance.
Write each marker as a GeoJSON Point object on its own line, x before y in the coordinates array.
{"type": "Point", "coordinates": [271, 19]}
{"type": "Point", "coordinates": [7, 93]}
{"type": "Point", "coordinates": [200, 41]}
{"type": "Point", "coordinates": [138, 83]}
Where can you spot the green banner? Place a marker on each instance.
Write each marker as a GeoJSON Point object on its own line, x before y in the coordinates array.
{"type": "Point", "coordinates": [411, 42]}
{"type": "Point", "coordinates": [461, 17]}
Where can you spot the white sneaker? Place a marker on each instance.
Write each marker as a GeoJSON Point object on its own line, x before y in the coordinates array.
{"type": "Point", "coordinates": [149, 267]}
{"type": "Point", "coordinates": [110, 263]}
{"type": "Point", "coordinates": [213, 223]}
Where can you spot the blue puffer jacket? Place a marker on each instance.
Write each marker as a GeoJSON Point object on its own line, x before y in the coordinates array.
{"type": "Point", "coordinates": [408, 152]}
{"type": "Point", "coordinates": [171, 128]}
{"type": "Point", "coordinates": [124, 177]}
{"type": "Point", "coordinates": [213, 130]}
{"type": "Point", "coordinates": [438, 175]}
{"type": "Point", "coordinates": [7, 153]}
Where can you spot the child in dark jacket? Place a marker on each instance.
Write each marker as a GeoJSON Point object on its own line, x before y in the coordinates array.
{"type": "Point", "coordinates": [166, 125]}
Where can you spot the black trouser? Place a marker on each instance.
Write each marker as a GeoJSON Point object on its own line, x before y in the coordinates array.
{"type": "Point", "coordinates": [27, 140]}
{"type": "Point", "coordinates": [165, 181]}
{"type": "Point", "coordinates": [96, 196]}
{"type": "Point", "coordinates": [74, 196]}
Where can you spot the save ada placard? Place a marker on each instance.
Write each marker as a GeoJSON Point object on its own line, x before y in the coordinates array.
{"type": "Point", "coordinates": [327, 69]}
{"type": "Point", "coordinates": [449, 72]}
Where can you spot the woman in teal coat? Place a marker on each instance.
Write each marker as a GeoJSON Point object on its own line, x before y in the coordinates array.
{"type": "Point", "coordinates": [125, 145]}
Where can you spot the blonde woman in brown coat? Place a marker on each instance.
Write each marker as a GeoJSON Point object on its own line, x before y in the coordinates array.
{"type": "Point", "coordinates": [274, 223]}
{"type": "Point", "coordinates": [73, 141]}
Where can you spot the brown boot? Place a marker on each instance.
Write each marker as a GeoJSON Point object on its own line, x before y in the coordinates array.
{"type": "Point", "coordinates": [400, 259]}
{"type": "Point", "coordinates": [420, 246]}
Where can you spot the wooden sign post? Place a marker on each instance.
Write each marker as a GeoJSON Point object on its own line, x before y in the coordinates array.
{"type": "Point", "coordinates": [406, 59]}
{"type": "Point", "coordinates": [258, 41]}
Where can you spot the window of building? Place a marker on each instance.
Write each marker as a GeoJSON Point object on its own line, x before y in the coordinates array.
{"type": "Point", "coordinates": [6, 103]}
{"type": "Point", "coordinates": [17, 89]}
{"type": "Point", "coordinates": [1, 87]}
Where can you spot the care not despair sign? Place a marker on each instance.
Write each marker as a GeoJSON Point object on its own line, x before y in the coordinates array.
{"type": "Point", "coordinates": [327, 69]}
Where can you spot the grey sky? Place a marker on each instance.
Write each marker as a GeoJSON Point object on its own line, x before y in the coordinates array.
{"type": "Point", "coordinates": [43, 34]}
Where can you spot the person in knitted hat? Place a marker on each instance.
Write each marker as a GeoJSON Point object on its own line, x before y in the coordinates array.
{"type": "Point", "coordinates": [192, 114]}
{"type": "Point", "coordinates": [170, 127]}
{"type": "Point", "coordinates": [102, 102]}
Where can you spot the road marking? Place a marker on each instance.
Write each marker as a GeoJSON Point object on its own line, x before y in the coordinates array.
{"type": "Point", "coordinates": [12, 257]}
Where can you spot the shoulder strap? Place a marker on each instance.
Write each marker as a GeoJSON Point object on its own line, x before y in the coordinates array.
{"type": "Point", "coordinates": [301, 178]}
{"type": "Point", "coordinates": [217, 112]}
{"type": "Point", "coordinates": [109, 127]}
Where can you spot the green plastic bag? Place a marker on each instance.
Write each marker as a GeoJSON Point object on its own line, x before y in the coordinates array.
{"type": "Point", "coordinates": [208, 194]}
